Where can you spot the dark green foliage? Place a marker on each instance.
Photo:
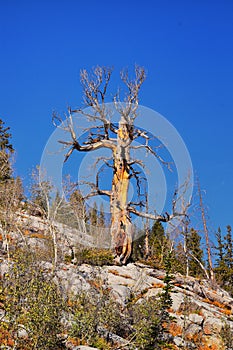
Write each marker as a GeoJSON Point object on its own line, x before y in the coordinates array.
{"type": "Point", "coordinates": [179, 259]}
{"type": "Point", "coordinates": [147, 326]}
{"type": "Point", "coordinates": [101, 216]}
{"type": "Point", "coordinates": [158, 244]}
{"type": "Point", "coordinates": [219, 248]}
{"type": "Point", "coordinates": [165, 297]}
{"type": "Point", "coordinates": [224, 261]}
{"type": "Point", "coordinates": [78, 205]}
{"type": "Point", "coordinates": [93, 215]}
{"type": "Point", "coordinates": [195, 250]}
{"type": "Point", "coordinates": [6, 150]}
{"type": "Point", "coordinates": [93, 314]}
{"type": "Point", "coordinates": [5, 137]}
{"type": "Point", "coordinates": [152, 317]}
{"type": "Point", "coordinates": [228, 248]}
{"type": "Point", "coordinates": [138, 252]}
{"type": "Point", "coordinates": [227, 336]}
{"type": "Point", "coordinates": [221, 267]}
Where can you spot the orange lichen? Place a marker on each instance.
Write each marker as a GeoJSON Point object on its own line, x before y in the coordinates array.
{"type": "Point", "coordinates": [94, 284]}
{"type": "Point", "coordinates": [74, 341]}
{"type": "Point", "coordinates": [38, 235]}
{"type": "Point", "coordinates": [5, 337]}
{"type": "Point", "coordinates": [157, 285]}
{"type": "Point", "coordinates": [175, 329]}
{"type": "Point", "coordinates": [208, 301]}
{"type": "Point", "coordinates": [208, 347]}
{"type": "Point", "coordinates": [116, 273]}
{"type": "Point", "coordinates": [218, 304]}
{"type": "Point", "coordinates": [226, 312]}
{"type": "Point", "coordinates": [178, 284]}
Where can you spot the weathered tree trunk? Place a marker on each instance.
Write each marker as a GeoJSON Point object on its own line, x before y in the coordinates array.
{"type": "Point", "coordinates": [107, 135]}
{"type": "Point", "coordinates": [208, 248]}
{"type": "Point", "coordinates": [121, 226]}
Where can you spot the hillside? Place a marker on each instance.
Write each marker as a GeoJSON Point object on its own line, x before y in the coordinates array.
{"type": "Point", "coordinates": [111, 307]}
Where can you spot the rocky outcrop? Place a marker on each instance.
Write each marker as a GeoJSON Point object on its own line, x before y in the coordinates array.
{"type": "Point", "coordinates": [200, 311]}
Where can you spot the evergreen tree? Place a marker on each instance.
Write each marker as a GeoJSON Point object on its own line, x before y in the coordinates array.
{"type": "Point", "coordinates": [158, 243]}
{"type": "Point", "coordinates": [229, 248]}
{"type": "Point", "coordinates": [219, 248]}
{"type": "Point", "coordinates": [6, 150]}
{"type": "Point", "coordinates": [40, 197]}
{"type": "Point", "coordinates": [195, 253]}
{"type": "Point", "coordinates": [138, 245]}
{"type": "Point", "coordinates": [93, 216]}
{"type": "Point", "coordinates": [225, 268]}
{"type": "Point", "coordinates": [5, 137]}
{"type": "Point", "coordinates": [221, 267]}
{"type": "Point", "coordinates": [78, 205]}
{"type": "Point", "coordinates": [101, 216]}
{"type": "Point", "coordinates": [179, 259]}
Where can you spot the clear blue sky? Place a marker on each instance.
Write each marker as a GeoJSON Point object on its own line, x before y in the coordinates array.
{"type": "Point", "coordinates": [186, 47]}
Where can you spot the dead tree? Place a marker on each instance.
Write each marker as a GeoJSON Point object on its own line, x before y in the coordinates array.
{"type": "Point", "coordinates": [119, 139]}
{"type": "Point", "coordinates": [206, 231]}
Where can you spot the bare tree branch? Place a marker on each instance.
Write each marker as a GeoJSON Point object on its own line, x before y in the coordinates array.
{"type": "Point", "coordinates": [150, 150]}
{"type": "Point", "coordinates": [95, 190]}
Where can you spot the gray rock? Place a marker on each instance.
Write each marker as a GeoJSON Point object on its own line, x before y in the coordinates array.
{"type": "Point", "coordinates": [192, 330]}
{"type": "Point", "coordinates": [4, 268]}
{"type": "Point", "coordinates": [177, 300]}
{"type": "Point", "coordinates": [70, 281]}
{"type": "Point", "coordinates": [121, 294]}
{"type": "Point", "coordinates": [22, 332]}
{"type": "Point", "coordinates": [2, 314]}
{"type": "Point", "coordinates": [212, 325]}
{"type": "Point", "coordinates": [114, 339]}
{"type": "Point", "coordinates": [179, 341]}
{"type": "Point", "coordinates": [195, 318]}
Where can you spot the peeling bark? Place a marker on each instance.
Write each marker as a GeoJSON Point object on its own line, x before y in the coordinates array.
{"type": "Point", "coordinates": [121, 226]}
{"type": "Point", "coordinates": [119, 141]}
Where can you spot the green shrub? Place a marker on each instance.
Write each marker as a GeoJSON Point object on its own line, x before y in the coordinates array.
{"type": "Point", "coordinates": [32, 300]}
{"type": "Point", "coordinates": [90, 315]}
{"type": "Point", "coordinates": [93, 256]}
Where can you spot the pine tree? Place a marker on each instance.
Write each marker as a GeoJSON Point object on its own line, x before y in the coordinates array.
{"type": "Point", "coordinates": [78, 205]}
{"type": "Point", "coordinates": [6, 150]}
{"type": "Point", "coordinates": [219, 248]}
{"type": "Point", "coordinates": [179, 259]}
{"type": "Point", "coordinates": [158, 243]}
{"type": "Point", "coordinates": [195, 252]}
{"type": "Point", "coordinates": [93, 216]}
{"type": "Point", "coordinates": [227, 274]}
{"type": "Point", "coordinates": [40, 198]}
{"type": "Point", "coordinates": [221, 268]}
{"type": "Point", "coordinates": [101, 216]}
{"type": "Point", "coordinates": [229, 248]}
{"type": "Point", "coordinates": [5, 137]}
